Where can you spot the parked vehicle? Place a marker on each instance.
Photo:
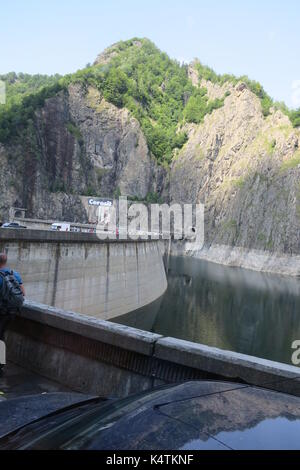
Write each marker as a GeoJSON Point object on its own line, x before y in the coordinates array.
{"type": "Point", "coordinates": [15, 225]}
{"type": "Point", "coordinates": [191, 416]}
{"type": "Point", "coordinates": [61, 227]}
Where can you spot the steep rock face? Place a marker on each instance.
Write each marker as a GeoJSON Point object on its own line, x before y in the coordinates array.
{"type": "Point", "coordinates": [113, 142]}
{"type": "Point", "coordinates": [214, 90]}
{"type": "Point", "coordinates": [79, 145]}
{"type": "Point", "coordinates": [244, 168]}
{"type": "Point", "coordinates": [8, 189]}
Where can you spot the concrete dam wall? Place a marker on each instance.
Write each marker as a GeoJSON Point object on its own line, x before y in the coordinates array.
{"type": "Point", "coordinates": [79, 272]}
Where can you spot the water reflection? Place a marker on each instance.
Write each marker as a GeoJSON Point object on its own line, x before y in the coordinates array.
{"type": "Point", "coordinates": [229, 308]}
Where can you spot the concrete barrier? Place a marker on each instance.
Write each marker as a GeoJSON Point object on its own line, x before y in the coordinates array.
{"type": "Point", "coordinates": [77, 271]}
{"type": "Point", "coordinates": [95, 356]}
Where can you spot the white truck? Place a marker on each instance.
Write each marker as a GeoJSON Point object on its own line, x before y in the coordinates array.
{"type": "Point", "coordinates": [61, 227]}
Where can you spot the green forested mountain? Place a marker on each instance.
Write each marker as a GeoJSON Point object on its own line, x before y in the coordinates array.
{"type": "Point", "coordinates": [139, 124]}
{"type": "Point", "coordinates": [24, 94]}
{"type": "Point", "coordinates": [137, 75]}
{"type": "Point", "coordinates": [20, 85]}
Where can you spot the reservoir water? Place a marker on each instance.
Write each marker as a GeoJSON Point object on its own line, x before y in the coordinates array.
{"type": "Point", "coordinates": [228, 308]}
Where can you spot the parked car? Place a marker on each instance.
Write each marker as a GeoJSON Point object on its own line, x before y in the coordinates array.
{"type": "Point", "coordinates": [191, 416]}
{"type": "Point", "coordinates": [15, 225]}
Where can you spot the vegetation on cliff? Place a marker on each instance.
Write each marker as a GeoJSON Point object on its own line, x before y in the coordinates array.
{"type": "Point", "coordinates": [207, 73]}
{"type": "Point", "coordinates": [20, 85]}
{"type": "Point", "coordinates": [138, 76]}
{"type": "Point", "coordinates": [199, 105]}
{"type": "Point", "coordinates": [267, 102]}
{"type": "Point", "coordinates": [24, 94]}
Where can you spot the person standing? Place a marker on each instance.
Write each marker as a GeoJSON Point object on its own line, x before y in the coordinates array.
{"type": "Point", "coordinates": [12, 294]}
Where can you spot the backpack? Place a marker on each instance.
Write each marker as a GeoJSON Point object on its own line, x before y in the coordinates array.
{"type": "Point", "coordinates": [11, 295]}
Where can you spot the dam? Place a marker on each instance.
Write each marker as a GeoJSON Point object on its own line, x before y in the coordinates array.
{"type": "Point", "coordinates": [78, 285]}
{"type": "Point", "coordinates": [79, 272]}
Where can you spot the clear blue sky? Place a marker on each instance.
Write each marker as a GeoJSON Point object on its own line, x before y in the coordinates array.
{"type": "Point", "coordinates": [257, 38]}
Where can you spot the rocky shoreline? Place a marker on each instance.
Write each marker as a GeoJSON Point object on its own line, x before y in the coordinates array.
{"type": "Point", "coordinates": [239, 257]}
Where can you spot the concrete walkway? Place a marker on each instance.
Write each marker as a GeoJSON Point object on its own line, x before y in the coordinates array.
{"type": "Point", "coordinates": [26, 397]}
{"type": "Point", "coordinates": [16, 382]}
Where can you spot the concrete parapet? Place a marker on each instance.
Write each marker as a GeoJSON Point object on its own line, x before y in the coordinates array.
{"type": "Point", "coordinates": [122, 336]}
{"type": "Point", "coordinates": [230, 365]}
{"type": "Point", "coordinates": [96, 356]}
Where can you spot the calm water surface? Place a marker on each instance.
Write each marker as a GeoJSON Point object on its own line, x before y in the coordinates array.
{"type": "Point", "coordinates": [228, 308]}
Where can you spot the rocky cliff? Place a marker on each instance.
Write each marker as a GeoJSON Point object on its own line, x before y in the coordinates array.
{"type": "Point", "coordinates": [79, 145]}
{"type": "Point", "coordinates": [243, 163]}
{"type": "Point", "coordinates": [245, 168]}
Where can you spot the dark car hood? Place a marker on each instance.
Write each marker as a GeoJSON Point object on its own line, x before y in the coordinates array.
{"type": "Point", "coordinates": [247, 418]}
{"type": "Point", "coordinates": [190, 416]}
{"type": "Point", "coordinates": [18, 412]}
{"type": "Point", "coordinates": [209, 416]}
